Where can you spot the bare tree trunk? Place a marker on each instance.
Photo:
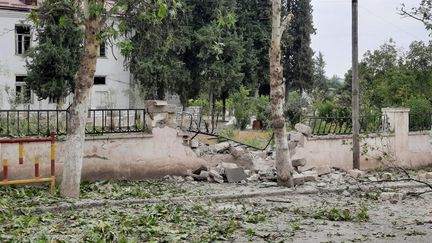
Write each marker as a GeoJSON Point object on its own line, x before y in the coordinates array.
{"type": "Point", "coordinates": [277, 95]}
{"type": "Point", "coordinates": [71, 179]}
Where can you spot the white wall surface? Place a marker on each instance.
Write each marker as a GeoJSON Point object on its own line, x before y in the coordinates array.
{"type": "Point", "coordinates": [112, 95]}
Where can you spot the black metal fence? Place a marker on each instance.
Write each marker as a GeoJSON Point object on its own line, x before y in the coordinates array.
{"type": "Point", "coordinates": [24, 123]}
{"type": "Point", "coordinates": [343, 125]}
{"type": "Point", "coordinates": [420, 121]}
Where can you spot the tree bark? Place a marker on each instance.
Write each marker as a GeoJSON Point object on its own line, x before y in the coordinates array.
{"type": "Point", "coordinates": [71, 179]}
{"type": "Point", "coordinates": [277, 95]}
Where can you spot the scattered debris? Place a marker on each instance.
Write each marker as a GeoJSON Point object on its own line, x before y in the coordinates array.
{"type": "Point", "coordinates": [357, 173]}
{"type": "Point", "coordinates": [235, 175]}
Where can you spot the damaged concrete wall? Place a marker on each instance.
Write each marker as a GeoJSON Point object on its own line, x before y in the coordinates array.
{"type": "Point", "coordinates": [112, 157]}
{"type": "Point", "coordinates": [396, 147]}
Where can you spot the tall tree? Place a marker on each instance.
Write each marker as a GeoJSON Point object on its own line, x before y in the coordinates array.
{"type": "Point", "coordinates": [53, 63]}
{"type": "Point", "coordinates": [319, 76]}
{"type": "Point", "coordinates": [220, 55]}
{"type": "Point", "coordinates": [277, 95]}
{"type": "Point", "coordinates": [422, 13]}
{"type": "Point", "coordinates": [93, 16]}
{"type": "Point", "coordinates": [297, 53]}
{"type": "Point", "coordinates": [157, 62]}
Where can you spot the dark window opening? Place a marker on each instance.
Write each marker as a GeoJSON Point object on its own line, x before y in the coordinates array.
{"type": "Point", "coordinates": [99, 80]}
{"type": "Point", "coordinates": [22, 93]}
{"type": "Point", "coordinates": [22, 39]}
{"type": "Point", "coordinates": [102, 49]}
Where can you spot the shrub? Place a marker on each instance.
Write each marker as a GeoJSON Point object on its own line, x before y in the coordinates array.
{"type": "Point", "coordinates": [243, 106]}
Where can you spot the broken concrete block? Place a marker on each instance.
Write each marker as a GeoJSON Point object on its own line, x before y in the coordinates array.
{"type": "Point", "coordinates": [221, 147]}
{"type": "Point", "coordinates": [356, 173]}
{"type": "Point", "coordinates": [387, 176]}
{"type": "Point", "coordinates": [198, 171]}
{"type": "Point", "coordinates": [298, 179]}
{"type": "Point", "coordinates": [310, 176]}
{"type": "Point", "coordinates": [322, 170]}
{"type": "Point", "coordinates": [336, 178]}
{"type": "Point", "coordinates": [227, 165]}
{"type": "Point", "coordinates": [254, 177]}
{"type": "Point", "coordinates": [392, 196]}
{"type": "Point", "coordinates": [236, 152]}
{"type": "Point", "coordinates": [299, 161]}
{"type": "Point", "coordinates": [261, 154]}
{"type": "Point", "coordinates": [346, 193]}
{"type": "Point", "coordinates": [297, 137]}
{"type": "Point", "coordinates": [235, 175]}
{"type": "Point", "coordinates": [216, 176]}
{"type": "Point", "coordinates": [302, 128]}
{"type": "Point", "coordinates": [321, 184]}
{"type": "Point", "coordinates": [194, 144]}
{"type": "Point", "coordinates": [204, 174]}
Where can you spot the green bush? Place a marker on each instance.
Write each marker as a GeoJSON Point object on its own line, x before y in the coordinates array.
{"type": "Point", "coordinates": [243, 106]}
{"type": "Point", "coordinates": [420, 113]}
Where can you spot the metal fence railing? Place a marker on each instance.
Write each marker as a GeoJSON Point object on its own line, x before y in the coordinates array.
{"type": "Point", "coordinates": [420, 121]}
{"type": "Point", "coordinates": [26, 123]}
{"type": "Point", "coordinates": [343, 125]}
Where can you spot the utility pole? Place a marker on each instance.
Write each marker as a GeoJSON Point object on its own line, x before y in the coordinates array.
{"type": "Point", "coordinates": [355, 88]}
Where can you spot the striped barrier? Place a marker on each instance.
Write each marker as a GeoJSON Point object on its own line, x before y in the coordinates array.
{"type": "Point", "coordinates": [36, 178]}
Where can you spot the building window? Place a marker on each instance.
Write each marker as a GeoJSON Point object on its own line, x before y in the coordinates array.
{"type": "Point", "coordinates": [22, 39]}
{"type": "Point", "coordinates": [102, 49]}
{"type": "Point", "coordinates": [57, 100]}
{"type": "Point", "coordinates": [99, 80]}
{"type": "Point", "coordinates": [22, 93]}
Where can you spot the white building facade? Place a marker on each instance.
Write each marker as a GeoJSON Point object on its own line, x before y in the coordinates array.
{"type": "Point", "coordinates": [112, 80]}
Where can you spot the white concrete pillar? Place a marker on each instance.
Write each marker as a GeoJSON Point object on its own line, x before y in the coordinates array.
{"type": "Point", "coordinates": [398, 121]}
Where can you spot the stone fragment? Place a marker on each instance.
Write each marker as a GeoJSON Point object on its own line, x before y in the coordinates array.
{"type": "Point", "coordinates": [392, 196]}
{"type": "Point", "coordinates": [346, 193]}
{"type": "Point", "coordinates": [356, 173]}
{"type": "Point", "coordinates": [216, 176]}
{"type": "Point", "coordinates": [298, 179]}
{"type": "Point", "coordinates": [302, 128]}
{"type": "Point", "coordinates": [322, 170]}
{"type": "Point", "coordinates": [204, 174]}
{"type": "Point", "coordinates": [261, 154]}
{"type": "Point", "coordinates": [221, 147]}
{"type": "Point", "coordinates": [321, 184]}
{"type": "Point", "coordinates": [254, 177]}
{"type": "Point", "coordinates": [336, 178]}
{"type": "Point", "coordinates": [194, 143]}
{"type": "Point", "coordinates": [227, 165]}
{"type": "Point", "coordinates": [429, 175]}
{"type": "Point", "coordinates": [298, 161]}
{"type": "Point", "coordinates": [249, 172]}
{"type": "Point", "coordinates": [198, 171]}
{"type": "Point", "coordinates": [373, 178]}
{"type": "Point", "coordinates": [235, 175]}
{"type": "Point", "coordinates": [260, 164]}
{"type": "Point", "coordinates": [387, 176]}
{"type": "Point", "coordinates": [236, 152]}
{"type": "Point", "coordinates": [310, 176]}
{"type": "Point", "coordinates": [189, 178]}
{"type": "Point", "coordinates": [297, 137]}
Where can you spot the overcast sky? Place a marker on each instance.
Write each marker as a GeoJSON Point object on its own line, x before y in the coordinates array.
{"type": "Point", "coordinates": [378, 22]}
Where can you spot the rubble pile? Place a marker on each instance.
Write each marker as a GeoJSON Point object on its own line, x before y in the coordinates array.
{"type": "Point", "coordinates": [236, 163]}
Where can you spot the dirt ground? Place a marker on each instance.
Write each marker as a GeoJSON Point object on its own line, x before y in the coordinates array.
{"type": "Point", "coordinates": [300, 218]}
